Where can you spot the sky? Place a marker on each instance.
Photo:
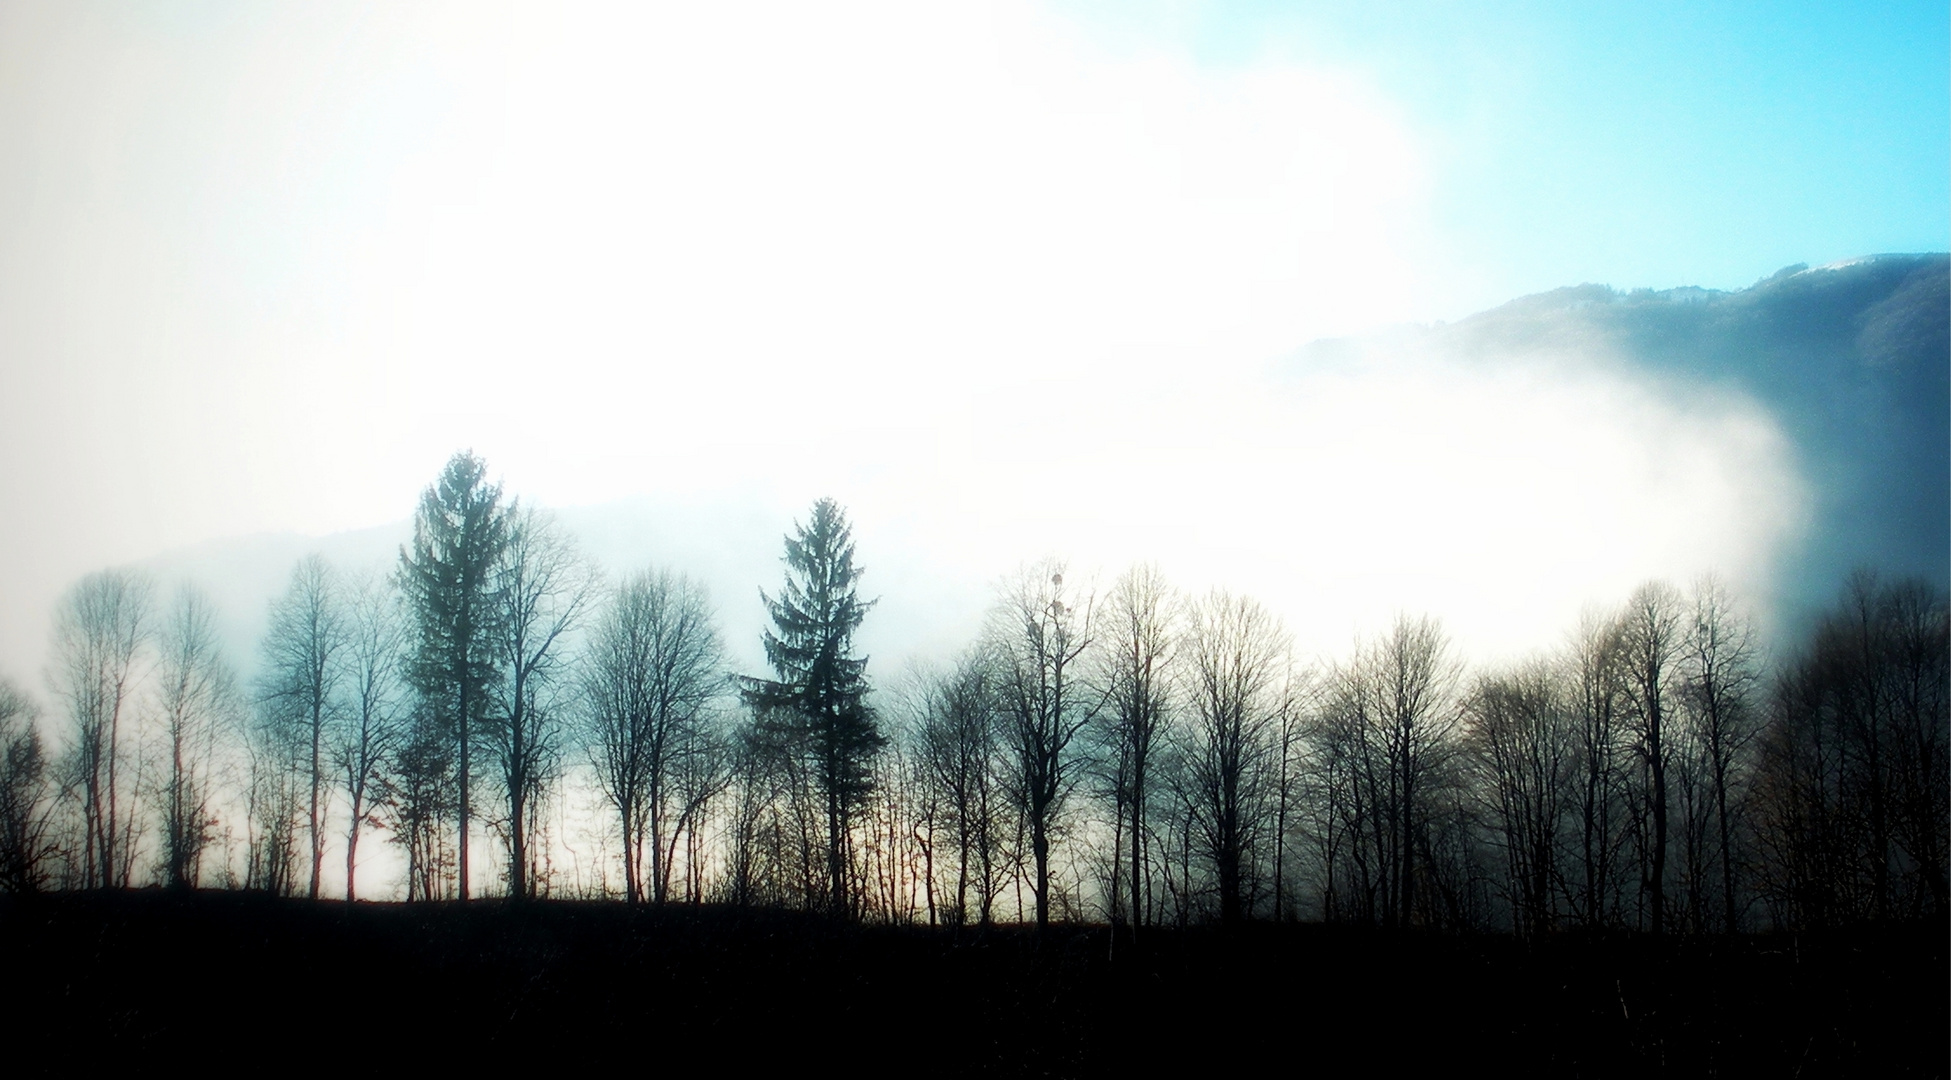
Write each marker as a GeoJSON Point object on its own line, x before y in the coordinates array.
{"type": "Point", "coordinates": [1009, 280]}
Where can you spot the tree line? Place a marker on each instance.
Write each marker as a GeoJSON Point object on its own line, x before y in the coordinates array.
{"type": "Point", "coordinates": [505, 720]}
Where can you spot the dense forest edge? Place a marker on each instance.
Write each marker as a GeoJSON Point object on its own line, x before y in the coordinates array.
{"type": "Point", "coordinates": [1133, 757]}
{"type": "Point", "coordinates": [1661, 845]}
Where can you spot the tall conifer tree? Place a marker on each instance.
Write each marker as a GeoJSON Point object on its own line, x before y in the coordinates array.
{"type": "Point", "coordinates": [818, 699]}
{"type": "Point", "coordinates": [448, 575]}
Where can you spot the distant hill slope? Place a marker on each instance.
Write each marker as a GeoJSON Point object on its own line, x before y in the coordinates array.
{"type": "Point", "coordinates": [1854, 359]}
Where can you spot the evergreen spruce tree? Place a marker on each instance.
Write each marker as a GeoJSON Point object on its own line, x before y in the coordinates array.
{"type": "Point", "coordinates": [818, 701]}
{"type": "Point", "coordinates": [448, 575]}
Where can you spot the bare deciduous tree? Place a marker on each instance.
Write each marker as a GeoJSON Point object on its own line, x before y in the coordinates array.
{"type": "Point", "coordinates": [654, 669]}
{"type": "Point", "coordinates": [423, 797]}
{"type": "Point", "coordinates": [1852, 788]}
{"type": "Point", "coordinates": [1722, 664]}
{"type": "Point", "coordinates": [99, 635]}
{"type": "Point", "coordinates": [300, 686]}
{"type": "Point", "coordinates": [1415, 683]}
{"type": "Point", "coordinates": [1651, 636]}
{"type": "Point", "coordinates": [544, 588]}
{"type": "Point", "coordinates": [274, 799]}
{"type": "Point", "coordinates": [1135, 679]}
{"type": "Point", "coordinates": [703, 766]}
{"type": "Point", "coordinates": [371, 721]}
{"type": "Point", "coordinates": [958, 749]}
{"type": "Point", "coordinates": [1290, 785]}
{"type": "Point", "coordinates": [1594, 675]}
{"type": "Point", "coordinates": [1384, 740]}
{"type": "Point", "coordinates": [197, 699]}
{"type": "Point", "coordinates": [26, 795]}
{"type": "Point", "coordinates": [1521, 742]}
{"type": "Point", "coordinates": [1918, 638]}
{"type": "Point", "coordinates": [1236, 676]}
{"type": "Point", "coordinates": [1039, 638]}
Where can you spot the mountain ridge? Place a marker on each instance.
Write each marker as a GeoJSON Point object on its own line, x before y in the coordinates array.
{"type": "Point", "coordinates": [1853, 359]}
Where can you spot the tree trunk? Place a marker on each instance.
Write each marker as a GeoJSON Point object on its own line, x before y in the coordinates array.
{"type": "Point", "coordinates": [318, 834]}
{"type": "Point", "coordinates": [1727, 846]}
{"type": "Point", "coordinates": [460, 865]}
{"type": "Point", "coordinates": [352, 844]}
{"type": "Point", "coordinates": [1659, 818]}
{"type": "Point", "coordinates": [1040, 850]}
{"type": "Point", "coordinates": [1137, 848]}
{"type": "Point", "coordinates": [631, 892]}
{"type": "Point", "coordinates": [836, 841]}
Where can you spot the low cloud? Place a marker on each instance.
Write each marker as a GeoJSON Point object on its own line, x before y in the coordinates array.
{"type": "Point", "coordinates": [1003, 290]}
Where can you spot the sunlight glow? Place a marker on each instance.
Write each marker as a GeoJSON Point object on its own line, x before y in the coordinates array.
{"type": "Point", "coordinates": [1003, 290]}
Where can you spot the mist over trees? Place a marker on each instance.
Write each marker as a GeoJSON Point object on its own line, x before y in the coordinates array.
{"type": "Point", "coordinates": [1132, 755]}
{"type": "Point", "coordinates": [1850, 358]}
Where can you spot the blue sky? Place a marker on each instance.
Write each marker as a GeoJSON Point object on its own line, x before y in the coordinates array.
{"type": "Point", "coordinates": [1646, 144]}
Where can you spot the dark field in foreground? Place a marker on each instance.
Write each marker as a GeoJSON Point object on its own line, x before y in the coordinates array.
{"type": "Point", "coordinates": [226, 980]}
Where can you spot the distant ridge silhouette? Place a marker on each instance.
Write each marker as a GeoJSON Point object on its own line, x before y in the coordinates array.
{"type": "Point", "coordinates": [1853, 358]}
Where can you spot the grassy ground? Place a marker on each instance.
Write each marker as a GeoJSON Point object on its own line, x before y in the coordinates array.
{"type": "Point", "coordinates": [214, 980]}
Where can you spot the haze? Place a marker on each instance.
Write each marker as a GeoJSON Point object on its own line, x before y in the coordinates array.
{"type": "Point", "coordinates": [1008, 281]}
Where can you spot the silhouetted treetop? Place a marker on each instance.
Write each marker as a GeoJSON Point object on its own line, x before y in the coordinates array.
{"type": "Point", "coordinates": [818, 696]}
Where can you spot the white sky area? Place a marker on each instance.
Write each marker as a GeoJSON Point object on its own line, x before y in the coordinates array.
{"type": "Point", "coordinates": [1002, 290]}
